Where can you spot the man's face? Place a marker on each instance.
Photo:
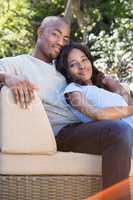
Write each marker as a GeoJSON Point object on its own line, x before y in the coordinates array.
{"type": "Point", "coordinates": [52, 38]}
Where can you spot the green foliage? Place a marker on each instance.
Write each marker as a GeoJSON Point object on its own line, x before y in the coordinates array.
{"type": "Point", "coordinates": [108, 33]}
{"type": "Point", "coordinates": [114, 48]}
{"type": "Point", "coordinates": [108, 29]}
{"type": "Point", "coordinates": [43, 8]}
{"type": "Point", "coordinates": [19, 21]}
{"type": "Point", "coordinates": [15, 27]}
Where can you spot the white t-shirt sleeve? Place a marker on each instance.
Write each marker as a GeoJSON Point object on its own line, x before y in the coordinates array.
{"type": "Point", "coordinates": [72, 87]}
{"type": "Point", "coordinates": [10, 65]}
{"type": "Point", "coordinates": [2, 65]}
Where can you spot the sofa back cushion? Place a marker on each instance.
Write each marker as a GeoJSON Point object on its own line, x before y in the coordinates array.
{"type": "Point", "coordinates": [24, 130]}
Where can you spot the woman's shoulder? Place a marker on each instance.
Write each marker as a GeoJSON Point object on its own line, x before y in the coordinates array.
{"type": "Point", "coordinates": [72, 87]}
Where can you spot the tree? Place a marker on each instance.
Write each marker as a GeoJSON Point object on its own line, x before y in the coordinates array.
{"type": "Point", "coordinates": [19, 21]}
{"type": "Point", "coordinates": [105, 26]}
{"type": "Point", "coordinates": [15, 27]}
{"type": "Point", "coordinates": [113, 46]}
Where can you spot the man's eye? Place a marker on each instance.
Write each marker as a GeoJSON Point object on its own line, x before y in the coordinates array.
{"type": "Point", "coordinates": [66, 40]}
{"type": "Point", "coordinates": [55, 34]}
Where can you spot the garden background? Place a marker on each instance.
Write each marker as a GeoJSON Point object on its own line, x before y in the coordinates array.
{"type": "Point", "coordinates": [105, 26]}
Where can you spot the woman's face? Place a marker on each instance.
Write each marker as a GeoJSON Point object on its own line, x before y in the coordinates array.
{"type": "Point", "coordinates": [79, 67]}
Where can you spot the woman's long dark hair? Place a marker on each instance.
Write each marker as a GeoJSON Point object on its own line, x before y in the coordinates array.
{"type": "Point", "coordinates": [62, 61]}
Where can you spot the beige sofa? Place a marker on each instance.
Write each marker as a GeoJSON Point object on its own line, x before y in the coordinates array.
{"type": "Point", "coordinates": [30, 165]}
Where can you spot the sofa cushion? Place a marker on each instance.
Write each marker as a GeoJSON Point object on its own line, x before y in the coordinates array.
{"type": "Point", "coordinates": [38, 137]}
{"type": "Point", "coordinates": [61, 163]}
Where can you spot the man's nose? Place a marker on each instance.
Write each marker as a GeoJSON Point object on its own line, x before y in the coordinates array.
{"type": "Point", "coordinates": [61, 41]}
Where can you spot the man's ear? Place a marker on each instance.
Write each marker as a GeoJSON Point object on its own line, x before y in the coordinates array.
{"type": "Point", "coordinates": [40, 31]}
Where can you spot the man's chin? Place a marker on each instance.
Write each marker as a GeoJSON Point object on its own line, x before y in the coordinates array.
{"type": "Point", "coordinates": [55, 55]}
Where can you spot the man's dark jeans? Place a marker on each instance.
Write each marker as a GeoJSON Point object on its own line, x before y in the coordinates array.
{"type": "Point", "coordinates": [111, 139]}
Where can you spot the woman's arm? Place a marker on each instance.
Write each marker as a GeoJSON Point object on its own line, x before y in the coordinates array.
{"type": "Point", "coordinates": [85, 106]}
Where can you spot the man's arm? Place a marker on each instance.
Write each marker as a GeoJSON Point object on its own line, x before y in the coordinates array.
{"type": "Point", "coordinates": [113, 85]}
{"type": "Point", "coordinates": [23, 90]}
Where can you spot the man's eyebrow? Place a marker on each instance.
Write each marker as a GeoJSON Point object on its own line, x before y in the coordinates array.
{"type": "Point", "coordinates": [61, 33]}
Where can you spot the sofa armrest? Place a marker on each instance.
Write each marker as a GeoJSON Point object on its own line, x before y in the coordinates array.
{"type": "Point", "coordinates": [24, 131]}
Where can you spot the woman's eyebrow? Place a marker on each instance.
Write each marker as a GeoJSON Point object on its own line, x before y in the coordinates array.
{"type": "Point", "coordinates": [83, 56]}
{"type": "Point", "coordinates": [72, 61]}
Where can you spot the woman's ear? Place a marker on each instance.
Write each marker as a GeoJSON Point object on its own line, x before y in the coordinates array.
{"type": "Point", "coordinates": [69, 77]}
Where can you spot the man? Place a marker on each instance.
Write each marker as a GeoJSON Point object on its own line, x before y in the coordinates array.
{"type": "Point", "coordinates": [24, 74]}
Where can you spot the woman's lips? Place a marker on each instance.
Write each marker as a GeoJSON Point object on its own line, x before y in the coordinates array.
{"type": "Point", "coordinates": [83, 73]}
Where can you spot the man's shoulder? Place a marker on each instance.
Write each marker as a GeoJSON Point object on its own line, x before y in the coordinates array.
{"type": "Point", "coordinates": [14, 63]}
{"type": "Point", "coordinates": [14, 58]}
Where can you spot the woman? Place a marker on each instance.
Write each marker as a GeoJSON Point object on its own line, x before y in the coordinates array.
{"type": "Point", "coordinates": [86, 99]}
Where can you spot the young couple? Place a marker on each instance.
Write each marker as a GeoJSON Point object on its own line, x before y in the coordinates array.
{"type": "Point", "coordinates": [73, 126]}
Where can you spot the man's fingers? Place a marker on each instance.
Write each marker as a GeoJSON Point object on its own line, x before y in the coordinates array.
{"type": "Point", "coordinates": [34, 87]}
{"type": "Point", "coordinates": [27, 97]}
{"type": "Point", "coordinates": [23, 92]}
{"type": "Point", "coordinates": [31, 89]}
{"type": "Point", "coordinates": [15, 94]}
{"type": "Point", "coordinates": [32, 95]}
{"type": "Point", "coordinates": [22, 97]}
{"type": "Point", "coordinates": [31, 85]}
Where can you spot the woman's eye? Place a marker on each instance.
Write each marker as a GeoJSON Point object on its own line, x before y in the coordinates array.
{"type": "Point", "coordinates": [73, 65]}
{"type": "Point", "coordinates": [85, 59]}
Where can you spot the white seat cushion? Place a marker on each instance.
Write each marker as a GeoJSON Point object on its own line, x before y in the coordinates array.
{"type": "Point", "coordinates": [59, 163]}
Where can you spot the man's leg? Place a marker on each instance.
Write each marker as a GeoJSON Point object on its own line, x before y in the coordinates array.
{"type": "Point", "coordinates": [112, 139]}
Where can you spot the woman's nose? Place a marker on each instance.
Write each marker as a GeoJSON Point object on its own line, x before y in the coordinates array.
{"type": "Point", "coordinates": [81, 66]}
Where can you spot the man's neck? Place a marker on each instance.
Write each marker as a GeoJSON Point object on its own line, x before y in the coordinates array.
{"type": "Point", "coordinates": [37, 54]}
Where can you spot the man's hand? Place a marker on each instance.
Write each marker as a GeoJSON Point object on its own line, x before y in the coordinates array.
{"type": "Point", "coordinates": [107, 82]}
{"type": "Point", "coordinates": [111, 83]}
{"type": "Point", "coordinates": [23, 90]}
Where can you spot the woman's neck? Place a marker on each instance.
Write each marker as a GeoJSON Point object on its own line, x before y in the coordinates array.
{"type": "Point", "coordinates": [81, 82]}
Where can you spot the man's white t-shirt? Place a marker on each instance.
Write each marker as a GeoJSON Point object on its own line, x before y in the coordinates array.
{"type": "Point", "coordinates": [51, 86]}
